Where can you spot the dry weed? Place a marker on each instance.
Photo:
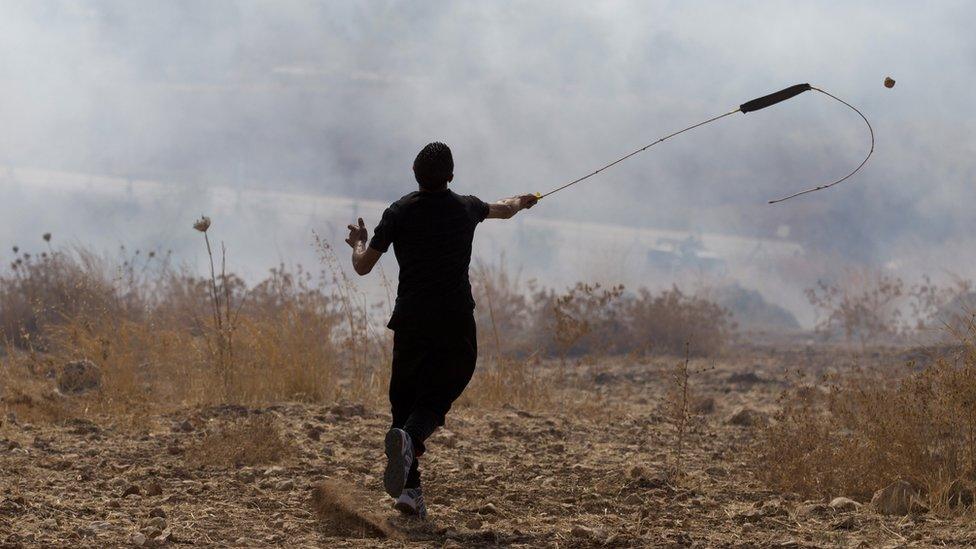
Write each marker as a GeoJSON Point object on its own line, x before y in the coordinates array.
{"type": "Point", "coordinates": [872, 307]}
{"type": "Point", "coordinates": [590, 319]}
{"type": "Point", "coordinates": [154, 333]}
{"type": "Point", "coordinates": [867, 430]}
{"type": "Point", "coordinates": [509, 381]}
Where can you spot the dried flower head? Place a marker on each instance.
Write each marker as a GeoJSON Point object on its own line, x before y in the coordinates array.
{"type": "Point", "coordinates": [47, 237]}
{"type": "Point", "coordinates": [202, 224]}
{"type": "Point", "coordinates": [889, 82]}
{"type": "Point", "coordinates": [16, 249]}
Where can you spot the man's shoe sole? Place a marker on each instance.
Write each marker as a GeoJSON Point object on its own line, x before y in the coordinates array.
{"type": "Point", "coordinates": [395, 476]}
{"type": "Point", "coordinates": [405, 509]}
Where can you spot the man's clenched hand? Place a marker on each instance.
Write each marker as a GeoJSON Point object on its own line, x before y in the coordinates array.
{"type": "Point", "coordinates": [526, 201]}
{"type": "Point", "coordinates": [507, 207]}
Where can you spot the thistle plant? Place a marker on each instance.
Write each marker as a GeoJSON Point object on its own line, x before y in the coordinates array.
{"type": "Point", "coordinates": [223, 323]}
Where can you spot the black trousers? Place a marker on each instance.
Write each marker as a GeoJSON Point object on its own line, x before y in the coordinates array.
{"type": "Point", "coordinates": [432, 364]}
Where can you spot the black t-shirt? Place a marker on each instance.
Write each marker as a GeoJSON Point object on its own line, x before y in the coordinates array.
{"type": "Point", "coordinates": [431, 233]}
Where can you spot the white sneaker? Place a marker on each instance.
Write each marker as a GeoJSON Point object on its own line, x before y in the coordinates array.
{"type": "Point", "coordinates": [399, 458]}
{"type": "Point", "coordinates": [411, 502]}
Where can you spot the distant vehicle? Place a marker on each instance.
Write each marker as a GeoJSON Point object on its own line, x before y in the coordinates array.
{"type": "Point", "coordinates": [674, 254]}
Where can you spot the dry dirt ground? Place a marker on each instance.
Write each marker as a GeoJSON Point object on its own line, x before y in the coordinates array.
{"type": "Point", "coordinates": [589, 475]}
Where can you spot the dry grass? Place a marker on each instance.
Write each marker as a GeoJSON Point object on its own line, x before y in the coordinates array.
{"type": "Point", "coordinates": [164, 338]}
{"type": "Point", "coordinates": [255, 440]}
{"type": "Point", "coordinates": [590, 319]}
{"type": "Point", "coordinates": [866, 430]}
{"type": "Point", "coordinates": [509, 381]}
{"type": "Point", "coordinates": [152, 330]}
{"type": "Point", "coordinates": [871, 307]}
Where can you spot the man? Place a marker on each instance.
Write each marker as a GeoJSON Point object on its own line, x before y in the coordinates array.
{"type": "Point", "coordinates": [434, 335]}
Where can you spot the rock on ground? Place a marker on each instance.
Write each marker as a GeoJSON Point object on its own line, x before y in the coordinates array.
{"type": "Point", "coordinates": [79, 376]}
{"type": "Point", "coordinates": [898, 498]}
{"type": "Point", "coordinates": [844, 505]}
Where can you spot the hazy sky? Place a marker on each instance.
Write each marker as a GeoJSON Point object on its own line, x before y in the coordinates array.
{"type": "Point", "coordinates": [337, 97]}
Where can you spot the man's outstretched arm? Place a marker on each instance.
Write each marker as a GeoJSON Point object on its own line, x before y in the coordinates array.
{"type": "Point", "coordinates": [508, 207]}
{"type": "Point", "coordinates": [364, 257]}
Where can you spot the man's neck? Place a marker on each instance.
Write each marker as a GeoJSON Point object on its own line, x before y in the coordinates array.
{"type": "Point", "coordinates": [433, 191]}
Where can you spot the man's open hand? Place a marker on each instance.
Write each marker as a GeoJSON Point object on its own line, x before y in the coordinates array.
{"type": "Point", "coordinates": [357, 234]}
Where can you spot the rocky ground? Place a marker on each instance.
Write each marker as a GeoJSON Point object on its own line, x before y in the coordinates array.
{"type": "Point", "coordinates": [591, 473]}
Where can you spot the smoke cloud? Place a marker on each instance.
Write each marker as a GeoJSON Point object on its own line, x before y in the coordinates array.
{"type": "Point", "coordinates": [209, 106]}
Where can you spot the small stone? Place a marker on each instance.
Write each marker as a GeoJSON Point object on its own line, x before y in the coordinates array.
{"type": "Point", "coordinates": [582, 532]}
{"type": "Point", "coordinates": [773, 508]}
{"type": "Point", "coordinates": [447, 438]}
{"type": "Point", "coordinates": [164, 537]}
{"type": "Point", "coordinates": [158, 523]}
{"type": "Point", "coordinates": [78, 377]}
{"type": "Point", "coordinates": [844, 505]}
{"type": "Point", "coordinates": [845, 523]}
{"type": "Point", "coordinates": [315, 433]}
{"type": "Point", "coordinates": [898, 498]}
{"type": "Point", "coordinates": [451, 544]}
{"type": "Point", "coordinates": [716, 471]}
{"type": "Point", "coordinates": [285, 485]}
{"type": "Point", "coordinates": [130, 490]}
{"type": "Point", "coordinates": [138, 539]}
{"type": "Point", "coordinates": [750, 516]}
{"type": "Point", "coordinates": [747, 417]}
{"type": "Point", "coordinates": [811, 509]}
{"type": "Point", "coordinates": [703, 406]}
{"type": "Point", "coordinates": [746, 378]}
{"type": "Point", "coordinates": [245, 475]}
{"type": "Point", "coordinates": [274, 470]}
{"type": "Point", "coordinates": [488, 509]}
{"type": "Point", "coordinates": [153, 489]}
{"type": "Point", "coordinates": [473, 524]}
{"type": "Point", "coordinates": [157, 512]}
{"type": "Point", "coordinates": [606, 485]}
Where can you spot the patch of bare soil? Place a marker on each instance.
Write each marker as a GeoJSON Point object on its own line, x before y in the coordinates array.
{"type": "Point", "coordinates": [591, 474]}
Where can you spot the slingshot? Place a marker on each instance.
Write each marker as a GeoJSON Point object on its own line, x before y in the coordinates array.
{"type": "Point", "coordinates": [749, 106]}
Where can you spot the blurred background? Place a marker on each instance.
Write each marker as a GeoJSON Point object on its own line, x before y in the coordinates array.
{"type": "Point", "coordinates": [124, 121]}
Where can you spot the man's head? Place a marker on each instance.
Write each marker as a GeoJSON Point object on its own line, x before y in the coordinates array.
{"type": "Point", "coordinates": [434, 166]}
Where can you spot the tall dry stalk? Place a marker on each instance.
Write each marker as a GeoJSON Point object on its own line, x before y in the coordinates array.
{"type": "Point", "coordinates": [680, 416]}
{"type": "Point", "coordinates": [223, 321]}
